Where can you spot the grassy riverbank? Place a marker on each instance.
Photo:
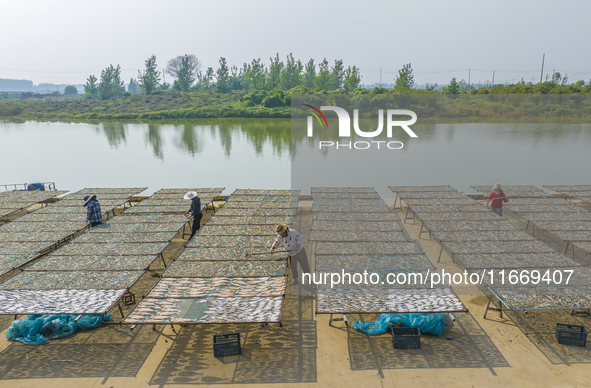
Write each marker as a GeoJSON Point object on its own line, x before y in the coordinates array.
{"type": "Point", "coordinates": [277, 104]}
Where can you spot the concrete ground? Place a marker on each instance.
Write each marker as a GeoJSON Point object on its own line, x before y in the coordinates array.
{"type": "Point", "coordinates": [516, 350]}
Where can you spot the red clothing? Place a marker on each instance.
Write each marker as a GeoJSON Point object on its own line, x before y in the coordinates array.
{"type": "Point", "coordinates": [497, 203]}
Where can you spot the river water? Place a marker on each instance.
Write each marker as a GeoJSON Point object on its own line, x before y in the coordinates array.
{"type": "Point", "coordinates": [263, 153]}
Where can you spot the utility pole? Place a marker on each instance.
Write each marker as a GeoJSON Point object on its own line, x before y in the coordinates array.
{"type": "Point", "coordinates": [163, 76]}
{"type": "Point", "coordinates": [542, 72]}
{"type": "Point", "coordinates": [493, 80]}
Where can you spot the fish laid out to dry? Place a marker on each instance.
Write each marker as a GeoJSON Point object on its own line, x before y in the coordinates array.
{"type": "Point", "coordinates": [15, 260]}
{"type": "Point", "coordinates": [31, 302]}
{"type": "Point", "coordinates": [318, 190]}
{"type": "Point", "coordinates": [514, 260]}
{"type": "Point", "coordinates": [49, 236]}
{"type": "Point", "coordinates": [383, 217]}
{"type": "Point", "coordinates": [382, 208]}
{"type": "Point", "coordinates": [387, 300]}
{"type": "Point", "coordinates": [218, 287]}
{"type": "Point", "coordinates": [85, 249]}
{"type": "Point", "coordinates": [90, 237]}
{"type": "Point", "coordinates": [231, 254]}
{"type": "Point", "coordinates": [237, 230]}
{"type": "Point", "coordinates": [562, 225]}
{"type": "Point", "coordinates": [359, 263]}
{"type": "Point", "coordinates": [453, 216]}
{"type": "Point", "coordinates": [56, 217]}
{"type": "Point", "coordinates": [373, 248]}
{"type": "Point", "coordinates": [498, 247]}
{"type": "Point", "coordinates": [149, 218]}
{"type": "Point", "coordinates": [207, 269]}
{"type": "Point", "coordinates": [413, 189]}
{"type": "Point", "coordinates": [557, 217]}
{"type": "Point", "coordinates": [565, 207]}
{"type": "Point", "coordinates": [80, 280]}
{"type": "Point", "coordinates": [250, 220]}
{"type": "Point", "coordinates": [207, 310]}
{"type": "Point", "coordinates": [520, 191]}
{"type": "Point", "coordinates": [496, 235]}
{"type": "Point", "coordinates": [360, 236]}
{"type": "Point", "coordinates": [92, 263]}
{"type": "Point", "coordinates": [357, 226]}
{"type": "Point", "coordinates": [38, 227]}
{"type": "Point", "coordinates": [230, 241]}
{"type": "Point", "coordinates": [116, 190]}
{"type": "Point", "coordinates": [544, 297]}
{"type": "Point", "coordinates": [351, 195]}
{"type": "Point", "coordinates": [109, 227]}
{"type": "Point", "coordinates": [265, 192]}
{"type": "Point", "coordinates": [349, 202]}
{"type": "Point", "coordinates": [460, 225]}
{"type": "Point", "coordinates": [22, 248]}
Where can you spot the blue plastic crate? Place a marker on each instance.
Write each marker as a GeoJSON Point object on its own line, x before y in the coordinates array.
{"type": "Point", "coordinates": [406, 337]}
{"type": "Point", "coordinates": [571, 334]}
{"type": "Point", "coordinates": [226, 345]}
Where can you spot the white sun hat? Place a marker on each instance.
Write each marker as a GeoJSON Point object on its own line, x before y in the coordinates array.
{"type": "Point", "coordinates": [190, 195]}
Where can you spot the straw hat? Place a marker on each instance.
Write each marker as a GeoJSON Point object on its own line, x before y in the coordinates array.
{"type": "Point", "coordinates": [497, 186]}
{"type": "Point", "coordinates": [279, 229]}
{"type": "Point", "coordinates": [190, 195]}
{"type": "Point", "coordinates": [88, 198]}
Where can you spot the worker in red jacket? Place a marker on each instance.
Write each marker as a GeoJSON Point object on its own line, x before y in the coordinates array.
{"type": "Point", "coordinates": [497, 197]}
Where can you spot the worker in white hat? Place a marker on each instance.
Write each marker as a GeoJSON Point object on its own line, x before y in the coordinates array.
{"type": "Point", "coordinates": [294, 246]}
{"type": "Point", "coordinates": [194, 211]}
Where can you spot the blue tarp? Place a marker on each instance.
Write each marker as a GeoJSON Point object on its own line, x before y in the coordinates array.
{"type": "Point", "coordinates": [432, 323]}
{"type": "Point", "coordinates": [39, 329]}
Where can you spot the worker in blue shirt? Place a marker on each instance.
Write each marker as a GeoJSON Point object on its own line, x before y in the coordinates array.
{"type": "Point", "coordinates": [194, 211]}
{"type": "Point", "coordinates": [93, 211]}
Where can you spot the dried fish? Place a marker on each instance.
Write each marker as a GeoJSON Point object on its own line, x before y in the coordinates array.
{"type": "Point", "coordinates": [92, 263]}
{"type": "Point", "coordinates": [412, 189]}
{"type": "Point", "coordinates": [382, 208]}
{"type": "Point", "coordinates": [90, 249]}
{"type": "Point", "coordinates": [359, 236]}
{"type": "Point", "coordinates": [357, 226]}
{"type": "Point", "coordinates": [387, 300]}
{"type": "Point", "coordinates": [372, 262]}
{"type": "Point", "coordinates": [231, 254]}
{"type": "Point", "coordinates": [218, 287]}
{"type": "Point", "coordinates": [58, 301]}
{"type": "Point", "coordinates": [81, 280]}
{"type": "Point", "coordinates": [384, 217]}
{"type": "Point", "coordinates": [515, 260]}
{"type": "Point", "coordinates": [497, 235]}
{"type": "Point", "coordinates": [374, 248]}
{"type": "Point", "coordinates": [498, 247]}
{"type": "Point", "coordinates": [180, 269]}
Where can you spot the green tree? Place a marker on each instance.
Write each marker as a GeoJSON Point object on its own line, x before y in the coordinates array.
{"type": "Point", "coordinates": [91, 87]}
{"type": "Point", "coordinates": [291, 75]}
{"type": "Point", "coordinates": [222, 77]}
{"type": "Point", "coordinates": [323, 79]}
{"type": "Point", "coordinates": [274, 73]}
{"type": "Point", "coordinates": [405, 80]}
{"type": "Point", "coordinates": [352, 78]}
{"type": "Point", "coordinates": [236, 78]}
{"type": "Point", "coordinates": [453, 88]}
{"type": "Point", "coordinates": [133, 87]}
{"type": "Point", "coordinates": [185, 68]}
{"type": "Point", "coordinates": [71, 90]}
{"type": "Point", "coordinates": [150, 78]}
{"type": "Point", "coordinates": [111, 84]}
{"type": "Point", "coordinates": [309, 76]}
{"type": "Point", "coordinates": [255, 74]}
{"type": "Point", "coordinates": [337, 74]}
{"type": "Point", "coordinates": [205, 80]}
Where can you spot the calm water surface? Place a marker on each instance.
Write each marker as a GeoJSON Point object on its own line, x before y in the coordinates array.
{"type": "Point", "coordinates": [263, 153]}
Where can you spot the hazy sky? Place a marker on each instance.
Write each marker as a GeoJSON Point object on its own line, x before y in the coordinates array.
{"type": "Point", "coordinates": [64, 41]}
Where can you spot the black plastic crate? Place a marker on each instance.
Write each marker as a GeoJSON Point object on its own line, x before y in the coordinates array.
{"type": "Point", "coordinates": [406, 337]}
{"type": "Point", "coordinates": [226, 345]}
{"type": "Point", "coordinates": [571, 334]}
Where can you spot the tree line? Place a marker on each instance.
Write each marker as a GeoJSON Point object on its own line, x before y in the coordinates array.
{"type": "Point", "coordinates": [283, 76]}
{"type": "Point", "coordinates": [189, 75]}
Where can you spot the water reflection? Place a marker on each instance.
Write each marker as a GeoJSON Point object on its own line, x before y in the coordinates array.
{"type": "Point", "coordinates": [115, 133]}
